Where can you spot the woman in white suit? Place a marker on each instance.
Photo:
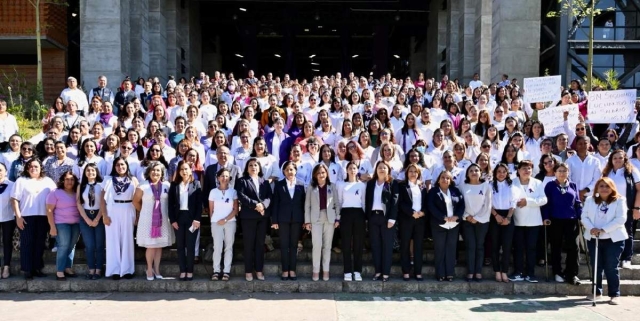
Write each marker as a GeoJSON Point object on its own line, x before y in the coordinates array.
{"type": "Point", "coordinates": [603, 217]}
{"type": "Point", "coordinates": [321, 217]}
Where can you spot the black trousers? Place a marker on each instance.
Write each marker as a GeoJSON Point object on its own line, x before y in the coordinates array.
{"type": "Point", "coordinates": [32, 239]}
{"type": "Point", "coordinates": [567, 230]}
{"type": "Point", "coordinates": [474, 236]}
{"type": "Point", "coordinates": [289, 234]}
{"type": "Point", "coordinates": [525, 240]}
{"type": "Point", "coordinates": [253, 235]}
{"type": "Point", "coordinates": [7, 240]}
{"type": "Point", "coordinates": [381, 242]}
{"type": "Point", "coordinates": [352, 226]}
{"type": "Point", "coordinates": [186, 243]}
{"type": "Point", "coordinates": [630, 225]}
{"type": "Point", "coordinates": [445, 242]}
{"type": "Point", "coordinates": [411, 229]}
{"type": "Point", "coordinates": [501, 238]}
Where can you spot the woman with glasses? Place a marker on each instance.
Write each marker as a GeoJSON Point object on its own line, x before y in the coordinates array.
{"type": "Point", "coordinates": [7, 221]}
{"type": "Point", "coordinates": [17, 166]}
{"type": "Point", "coordinates": [28, 200]}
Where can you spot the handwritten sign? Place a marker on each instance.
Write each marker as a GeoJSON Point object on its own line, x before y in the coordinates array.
{"type": "Point", "coordinates": [613, 106]}
{"type": "Point", "coordinates": [542, 89]}
{"type": "Point", "coordinates": [553, 120]}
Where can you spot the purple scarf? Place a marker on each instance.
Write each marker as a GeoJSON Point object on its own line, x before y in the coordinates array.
{"type": "Point", "coordinates": [156, 217]}
{"type": "Point", "coordinates": [104, 118]}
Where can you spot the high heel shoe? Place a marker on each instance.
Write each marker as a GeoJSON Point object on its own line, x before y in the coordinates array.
{"type": "Point", "coordinates": [6, 272]}
{"type": "Point", "coordinates": [284, 277]}
{"type": "Point", "coordinates": [325, 276]}
{"type": "Point", "coordinates": [315, 276]}
{"type": "Point", "coordinates": [377, 277]}
{"type": "Point", "coordinates": [157, 275]}
{"type": "Point", "coordinates": [150, 278]}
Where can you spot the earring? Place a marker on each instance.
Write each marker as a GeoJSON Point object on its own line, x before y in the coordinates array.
{"type": "Point", "coordinates": [597, 195]}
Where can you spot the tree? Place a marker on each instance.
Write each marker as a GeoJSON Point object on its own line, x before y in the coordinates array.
{"type": "Point", "coordinates": [581, 9]}
{"type": "Point", "coordinates": [36, 4]}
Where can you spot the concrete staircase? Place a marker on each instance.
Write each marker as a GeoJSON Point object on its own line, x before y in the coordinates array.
{"type": "Point", "coordinates": [630, 284]}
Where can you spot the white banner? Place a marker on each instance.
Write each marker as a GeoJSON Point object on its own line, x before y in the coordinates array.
{"type": "Point", "coordinates": [553, 120]}
{"type": "Point", "coordinates": [542, 89]}
{"type": "Point", "coordinates": [613, 106]}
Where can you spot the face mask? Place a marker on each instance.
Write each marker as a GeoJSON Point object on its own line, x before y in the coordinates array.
{"type": "Point", "coordinates": [232, 88]}
{"type": "Point", "coordinates": [421, 149]}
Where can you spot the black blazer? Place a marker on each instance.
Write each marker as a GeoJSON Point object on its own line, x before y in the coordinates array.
{"type": "Point", "coordinates": [211, 180]}
{"type": "Point", "coordinates": [434, 203]}
{"type": "Point", "coordinates": [249, 197]}
{"type": "Point", "coordinates": [284, 208]}
{"type": "Point", "coordinates": [195, 203]}
{"type": "Point", "coordinates": [389, 199]}
{"type": "Point", "coordinates": [405, 201]}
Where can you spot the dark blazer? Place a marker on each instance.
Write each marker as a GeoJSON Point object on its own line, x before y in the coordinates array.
{"type": "Point", "coordinates": [211, 180]}
{"type": "Point", "coordinates": [389, 198]}
{"type": "Point", "coordinates": [249, 197]}
{"type": "Point", "coordinates": [285, 146]}
{"type": "Point", "coordinates": [434, 203]}
{"type": "Point", "coordinates": [405, 200]}
{"type": "Point", "coordinates": [284, 208]}
{"type": "Point", "coordinates": [195, 203]}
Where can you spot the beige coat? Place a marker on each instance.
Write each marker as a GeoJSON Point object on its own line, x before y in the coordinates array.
{"type": "Point", "coordinates": [312, 204]}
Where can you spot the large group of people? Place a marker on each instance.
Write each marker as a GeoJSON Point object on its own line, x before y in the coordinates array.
{"type": "Point", "coordinates": [354, 161]}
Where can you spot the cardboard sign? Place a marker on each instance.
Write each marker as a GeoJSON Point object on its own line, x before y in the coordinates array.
{"type": "Point", "coordinates": [553, 120]}
{"type": "Point", "coordinates": [542, 89]}
{"type": "Point", "coordinates": [613, 106]}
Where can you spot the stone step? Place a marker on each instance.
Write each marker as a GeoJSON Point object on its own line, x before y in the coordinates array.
{"type": "Point", "coordinates": [171, 269]}
{"type": "Point", "coordinates": [272, 285]}
{"type": "Point", "coordinates": [274, 256]}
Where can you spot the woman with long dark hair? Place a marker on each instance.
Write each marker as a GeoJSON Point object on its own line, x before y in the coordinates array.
{"type": "Point", "coordinates": [501, 227]}
{"type": "Point", "coordinates": [412, 220]}
{"type": "Point", "coordinates": [254, 195]}
{"type": "Point", "coordinates": [91, 225]}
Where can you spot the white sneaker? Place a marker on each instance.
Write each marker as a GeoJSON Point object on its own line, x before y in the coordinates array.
{"type": "Point", "coordinates": [54, 249]}
{"type": "Point", "coordinates": [626, 264]}
{"type": "Point", "coordinates": [347, 277]}
{"type": "Point", "coordinates": [357, 276]}
{"type": "Point", "coordinates": [559, 279]}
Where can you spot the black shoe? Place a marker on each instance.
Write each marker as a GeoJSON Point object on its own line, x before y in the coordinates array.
{"type": "Point", "coordinates": [419, 278]}
{"type": "Point", "coordinates": [128, 276]}
{"type": "Point", "coordinates": [70, 275]}
{"type": "Point", "coordinates": [477, 280]}
{"type": "Point", "coordinates": [405, 278]}
{"type": "Point", "coordinates": [385, 279]}
{"type": "Point", "coordinates": [450, 278]}
{"type": "Point", "coordinates": [293, 278]}
{"type": "Point", "coordinates": [96, 276]}
{"type": "Point", "coordinates": [377, 277]}
{"type": "Point", "coordinates": [115, 277]}
{"type": "Point", "coordinates": [39, 274]}
{"type": "Point", "coordinates": [88, 276]}
{"type": "Point", "coordinates": [61, 278]}
{"type": "Point", "coordinates": [189, 278]}
{"type": "Point", "coordinates": [468, 279]}
{"type": "Point", "coordinates": [28, 276]}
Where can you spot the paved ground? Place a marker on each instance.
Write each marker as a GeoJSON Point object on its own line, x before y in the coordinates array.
{"type": "Point", "coordinates": [291, 306]}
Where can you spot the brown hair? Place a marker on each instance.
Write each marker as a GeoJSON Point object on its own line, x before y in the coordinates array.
{"type": "Point", "coordinates": [614, 196]}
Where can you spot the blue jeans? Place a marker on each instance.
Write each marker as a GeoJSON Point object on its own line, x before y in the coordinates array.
{"type": "Point", "coordinates": [94, 242]}
{"type": "Point", "coordinates": [608, 260]}
{"type": "Point", "coordinates": [66, 240]}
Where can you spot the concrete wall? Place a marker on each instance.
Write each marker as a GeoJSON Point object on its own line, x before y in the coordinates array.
{"type": "Point", "coordinates": [482, 39]}
{"type": "Point", "coordinates": [466, 41]}
{"type": "Point", "coordinates": [158, 40]}
{"type": "Point", "coordinates": [515, 46]}
{"type": "Point", "coordinates": [139, 38]}
{"type": "Point", "coordinates": [453, 15]}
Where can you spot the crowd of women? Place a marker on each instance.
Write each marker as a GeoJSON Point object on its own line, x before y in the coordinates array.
{"type": "Point", "coordinates": [380, 163]}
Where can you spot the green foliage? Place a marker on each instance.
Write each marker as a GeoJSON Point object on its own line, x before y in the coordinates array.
{"type": "Point", "coordinates": [20, 95]}
{"type": "Point", "coordinates": [610, 82]}
{"type": "Point", "coordinates": [576, 8]}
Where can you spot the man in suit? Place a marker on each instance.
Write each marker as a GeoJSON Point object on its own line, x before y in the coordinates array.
{"type": "Point", "coordinates": [210, 177]}
{"type": "Point", "coordinates": [123, 97]}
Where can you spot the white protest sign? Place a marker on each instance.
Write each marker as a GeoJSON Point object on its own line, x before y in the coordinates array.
{"type": "Point", "coordinates": [542, 89]}
{"type": "Point", "coordinates": [612, 106]}
{"type": "Point", "coordinates": [553, 120]}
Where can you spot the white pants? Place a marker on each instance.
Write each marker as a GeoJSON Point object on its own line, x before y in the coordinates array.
{"type": "Point", "coordinates": [223, 236]}
{"type": "Point", "coordinates": [119, 241]}
{"type": "Point", "coordinates": [321, 238]}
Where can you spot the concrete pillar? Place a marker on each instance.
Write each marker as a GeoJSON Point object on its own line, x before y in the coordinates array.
{"type": "Point", "coordinates": [466, 39]}
{"type": "Point", "coordinates": [436, 40]}
{"type": "Point", "coordinates": [157, 40]}
{"type": "Point", "coordinates": [515, 48]}
{"type": "Point", "coordinates": [172, 46]}
{"type": "Point", "coordinates": [183, 38]}
{"type": "Point", "coordinates": [482, 39]}
{"type": "Point", "coordinates": [418, 57]}
{"type": "Point", "coordinates": [125, 35]}
{"type": "Point", "coordinates": [452, 41]}
{"type": "Point", "coordinates": [139, 38]}
{"type": "Point", "coordinates": [101, 29]}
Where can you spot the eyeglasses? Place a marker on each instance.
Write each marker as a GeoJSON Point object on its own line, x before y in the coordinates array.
{"type": "Point", "coordinates": [499, 112]}
{"type": "Point", "coordinates": [27, 149]}
{"type": "Point", "coordinates": [384, 134]}
{"type": "Point", "coordinates": [580, 128]}
{"type": "Point", "coordinates": [155, 150]}
{"type": "Point", "coordinates": [126, 147]}
{"type": "Point", "coordinates": [548, 163]}
{"type": "Point", "coordinates": [611, 135]}
{"type": "Point", "coordinates": [244, 137]}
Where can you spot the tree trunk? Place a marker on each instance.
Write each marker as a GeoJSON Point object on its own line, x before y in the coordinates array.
{"type": "Point", "coordinates": [39, 85]}
{"type": "Point", "coordinates": [590, 54]}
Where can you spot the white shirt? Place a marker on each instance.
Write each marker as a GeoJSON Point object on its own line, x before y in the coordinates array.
{"type": "Point", "coordinates": [584, 173]}
{"type": "Point", "coordinates": [477, 200]}
{"type": "Point", "coordinates": [8, 127]}
{"type": "Point", "coordinates": [222, 203]}
{"type": "Point", "coordinates": [447, 201]}
{"type": "Point", "coordinates": [377, 197]}
{"type": "Point", "coordinates": [475, 84]}
{"type": "Point", "coordinates": [78, 96]}
{"type": "Point", "coordinates": [416, 197]}
{"type": "Point", "coordinates": [184, 196]}
{"type": "Point", "coordinates": [32, 195]}
{"type": "Point", "coordinates": [85, 196]}
{"type": "Point", "coordinates": [291, 187]}
{"type": "Point", "coordinates": [505, 198]}
{"type": "Point", "coordinates": [351, 194]}
{"type": "Point", "coordinates": [621, 182]}
{"type": "Point", "coordinates": [6, 209]}
{"type": "Point", "coordinates": [533, 192]}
